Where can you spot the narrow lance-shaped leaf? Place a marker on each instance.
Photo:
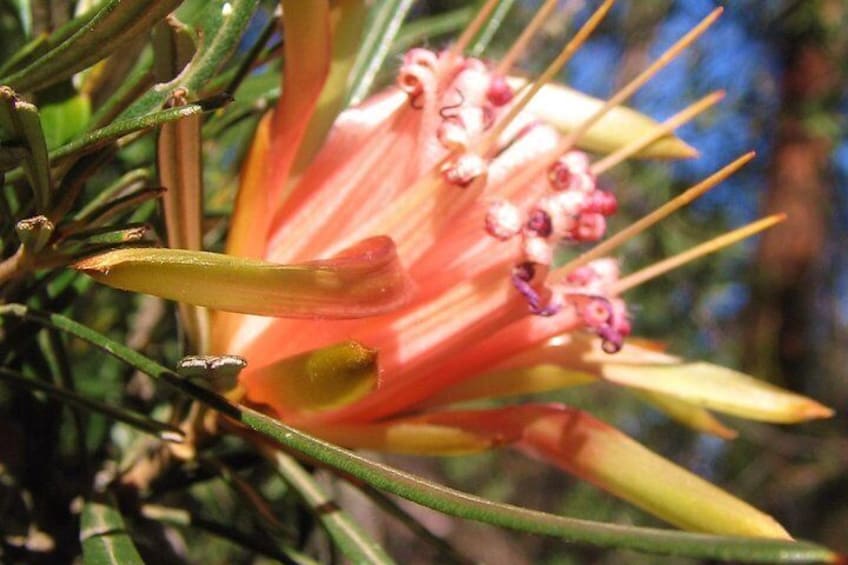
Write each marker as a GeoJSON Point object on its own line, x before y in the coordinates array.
{"type": "Point", "coordinates": [468, 506]}
{"type": "Point", "coordinates": [422, 29]}
{"type": "Point", "coordinates": [490, 28]}
{"type": "Point", "coordinates": [260, 544]}
{"type": "Point", "coordinates": [354, 543]}
{"type": "Point", "coordinates": [598, 453]}
{"type": "Point", "coordinates": [143, 423]}
{"type": "Point", "coordinates": [440, 497]}
{"type": "Point", "coordinates": [20, 124]}
{"type": "Point", "coordinates": [577, 443]}
{"type": "Point", "coordinates": [117, 23]}
{"type": "Point", "coordinates": [124, 127]}
{"type": "Point", "coordinates": [364, 280]}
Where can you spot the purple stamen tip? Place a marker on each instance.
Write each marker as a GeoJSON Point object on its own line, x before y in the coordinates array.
{"type": "Point", "coordinates": [522, 275]}
{"type": "Point", "coordinates": [611, 340]}
{"type": "Point", "coordinates": [540, 223]}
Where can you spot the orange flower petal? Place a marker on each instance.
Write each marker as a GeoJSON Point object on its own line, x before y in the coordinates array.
{"type": "Point", "coordinates": [577, 443]}
{"type": "Point", "coordinates": [316, 380]}
{"type": "Point", "coordinates": [252, 213]}
{"type": "Point", "coordinates": [408, 437]}
{"type": "Point", "coordinates": [437, 433]}
{"type": "Point", "coordinates": [600, 454]}
{"type": "Point", "coordinates": [308, 54]}
{"type": "Point", "coordinates": [545, 378]}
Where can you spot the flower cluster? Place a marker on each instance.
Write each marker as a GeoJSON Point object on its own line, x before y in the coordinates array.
{"type": "Point", "coordinates": [407, 263]}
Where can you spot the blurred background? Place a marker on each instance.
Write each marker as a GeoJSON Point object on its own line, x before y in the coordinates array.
{"type": "Point", "coordinates": [775, 307]}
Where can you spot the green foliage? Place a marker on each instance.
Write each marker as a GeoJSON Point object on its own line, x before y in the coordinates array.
{"type": "Point", "coordinates": [106, 452]}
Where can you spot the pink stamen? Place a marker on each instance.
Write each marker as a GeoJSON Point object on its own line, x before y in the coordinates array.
{"type": "Point", "coordinates": [463, 170]}
{"type": "Point", "coordinates": [590, 227]}
{"type": "Point", "coordinates": [601, 316]}
{"type": "Point", "coordinates": [539, 224]}
{"type": "Point", "coordinates": [503, 220]}
{"type": "Point", "coordinates": [538, 250]}
{"type": "Point", "coordinates": [499, 92]}
{"type": "Point", "coordinates": [602, 202]}
{"type": "Point", "coordinates": [522, 277]}
{"type": "Point", "coordinates": [571, 172]}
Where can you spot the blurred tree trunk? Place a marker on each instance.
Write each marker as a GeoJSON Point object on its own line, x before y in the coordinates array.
{"type": "Point", "coordinates": [790, 323]}
{"type": "Point", "coordinates": [778, 336]}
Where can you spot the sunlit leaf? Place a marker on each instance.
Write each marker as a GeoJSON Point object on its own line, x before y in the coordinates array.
{"type": "Point", "coordinates": [364, 280]}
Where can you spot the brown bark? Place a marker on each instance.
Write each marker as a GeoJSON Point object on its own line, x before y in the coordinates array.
{"type": "Point", "coordinates": [779, 344]}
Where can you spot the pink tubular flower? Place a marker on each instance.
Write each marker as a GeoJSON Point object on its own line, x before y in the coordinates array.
{"type": "Point", "coordinates": [450, 192]}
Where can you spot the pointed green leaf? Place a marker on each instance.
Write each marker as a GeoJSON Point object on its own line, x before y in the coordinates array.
{"type": "Point", "coordinates": [365, 280]}
{"type": "Point", "coordinates": [423, 29]}
{"type": "Point", "coordinates": [21, 125]}
{"type": "Point", "coordinates": [122, 204]}
{"type": "Point", "coordinates": [354, 543]}
{"type": "Point", "coordinates": [467, 506]}
{"type": "Point", "coordinates": [128, 182]}
{"type": "Point", "coordinates": [116, 23]}
{"type": "Point", "coordinates": [29, 52]}
{"type": "Point", "coordinates": [120, 128]}
{"type": "Point", "coordinates": [720, 389]}
{"type": "Point", "coordinates": [183, 518]}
